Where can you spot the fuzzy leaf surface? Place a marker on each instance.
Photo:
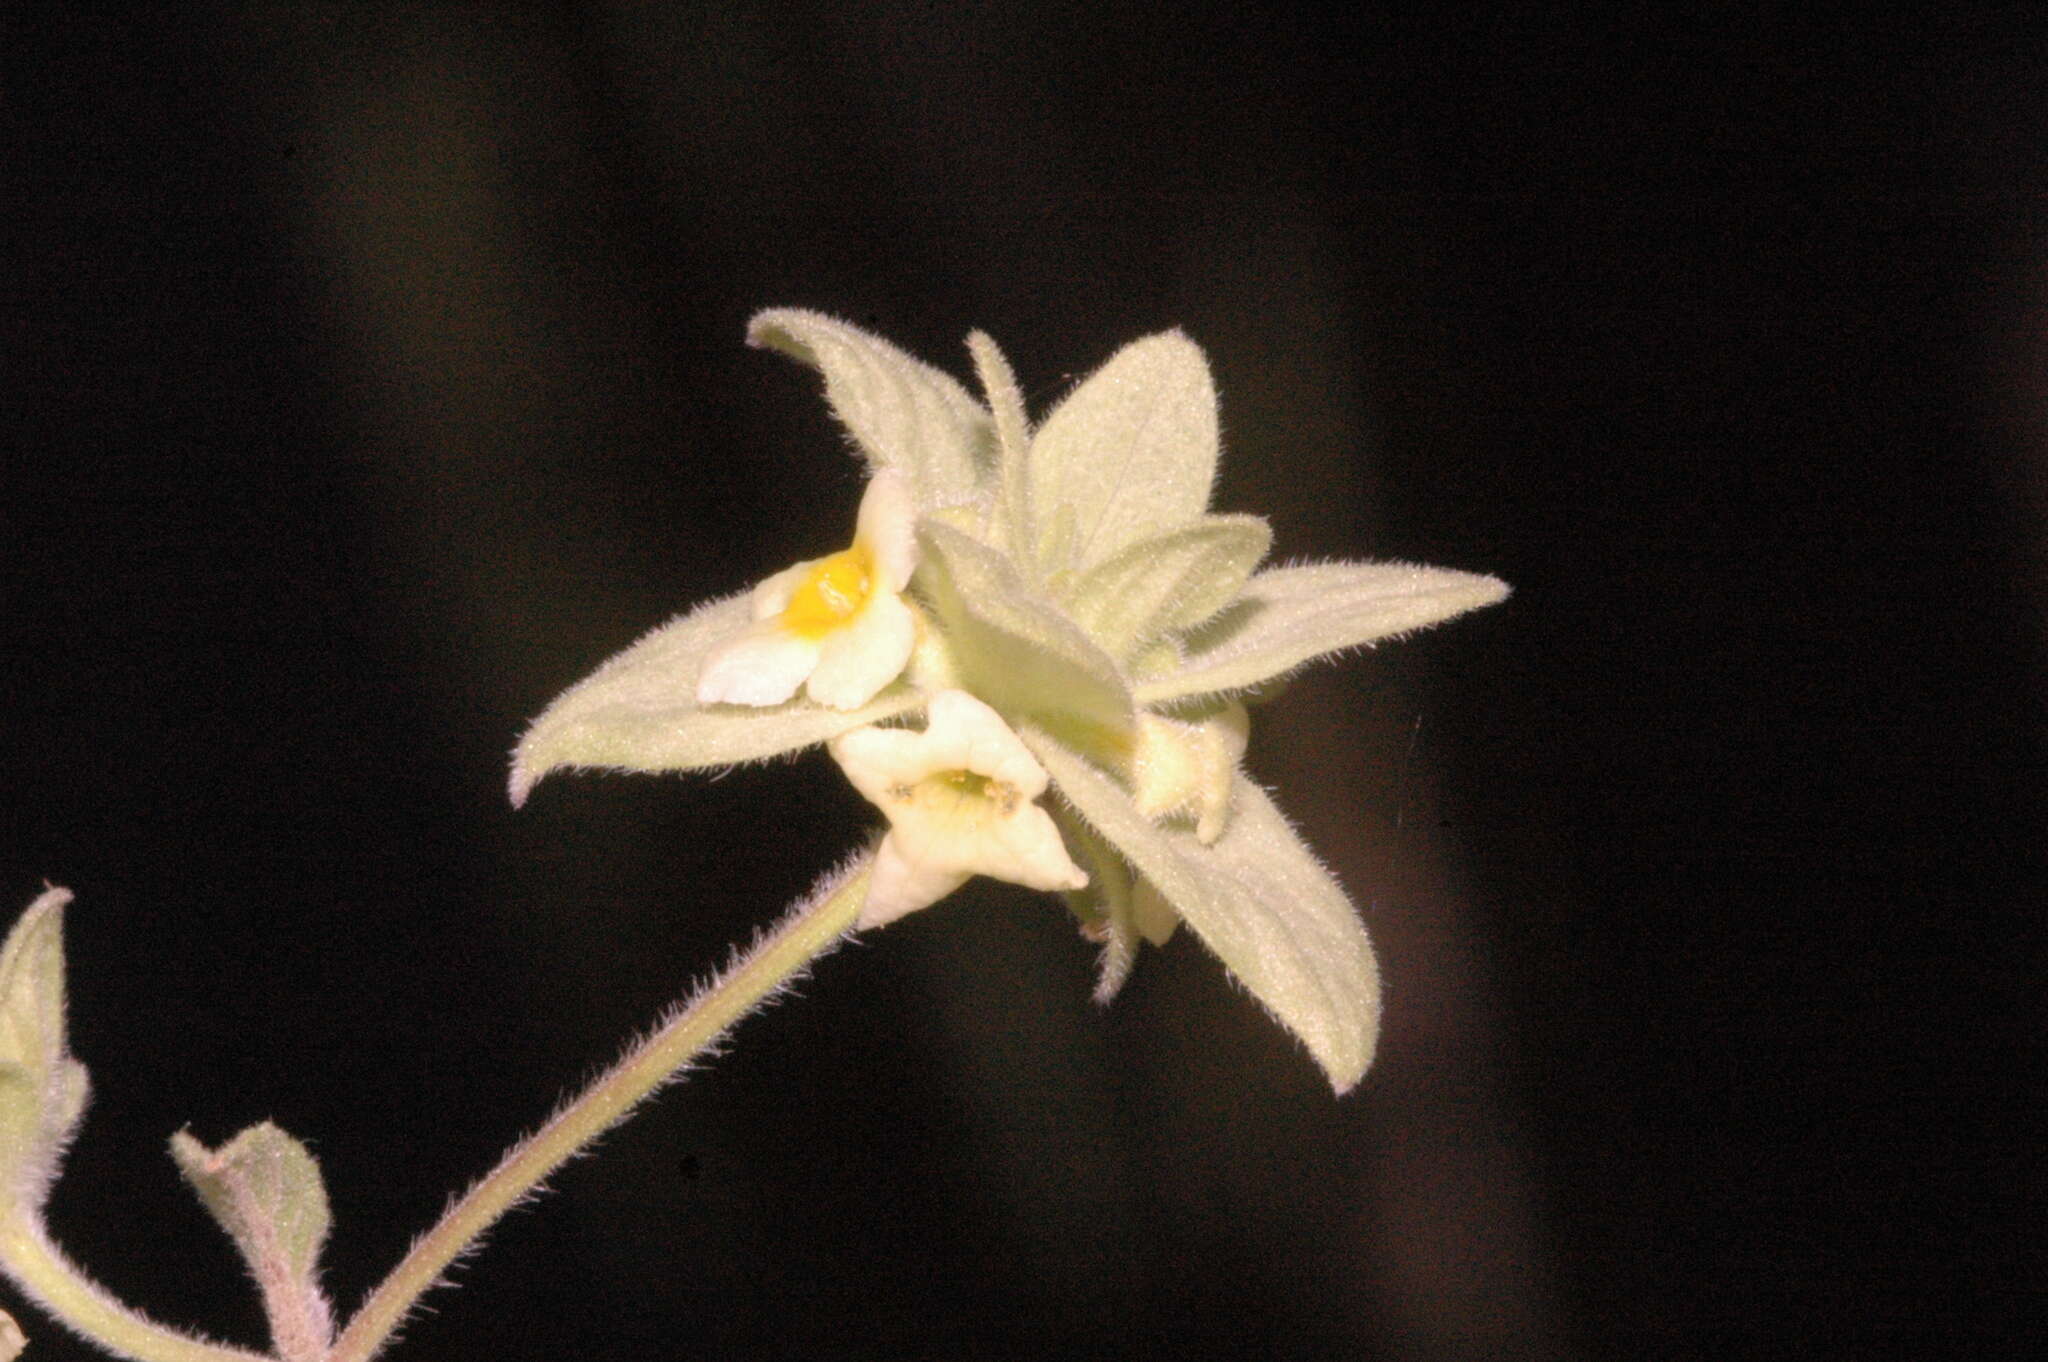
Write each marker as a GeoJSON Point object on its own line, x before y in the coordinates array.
{"type": "Point", "coordinates": [43, 1089]}
{"type": "Point", "coordinates": [1017, 650]}
{"type": "Point", "coordinates": [1259, 899]}
{"type": "Point", "coordinates": [639, 711]}
{"type": "Point", "coordinates": [266, 1191]}
{"type": "Point", "coordinates": [1290, 615]}
{"type": "Point", "coordinates": [1130, 452]}
{"type": "Point", "coordinates": [905, 414]}
{"type": "Point", "coordinates": [1168, 581]}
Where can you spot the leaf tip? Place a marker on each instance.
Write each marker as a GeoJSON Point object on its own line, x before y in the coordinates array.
{"type": "Point", "coordinates": [771, 329]}
{"type": "Point", "coordinates": [54, 899]}
{"type": "Point", "coordinates": [1489, 590]}
{"type": "Point", "coordinates": [521, 783]}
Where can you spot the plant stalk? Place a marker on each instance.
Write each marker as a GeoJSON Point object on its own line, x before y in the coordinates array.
{"type": "Point", "coordinates": [807, 932]}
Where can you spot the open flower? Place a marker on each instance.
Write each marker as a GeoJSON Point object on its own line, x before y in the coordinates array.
{"type": "Point", "coordinates": [961, 801]}
{"type": "Point", "coordinates": [837, 626]}
{"type": "Point", "coordinates": [1091, 624]}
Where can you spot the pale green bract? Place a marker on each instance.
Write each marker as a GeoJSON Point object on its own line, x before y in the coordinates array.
{"type": "Point", "coordinates": [632, 715]}
{"type": "Point", "coordinates": [1167, 582]}
{"type": "Point", "coordinates": [265, 1190]}
{"type": "Point", "coordinates": [1073, 579]}
{"type": "Point", "coordinates": [43, 1090]}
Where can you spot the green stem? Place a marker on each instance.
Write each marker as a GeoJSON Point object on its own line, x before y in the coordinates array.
{"type": "Point", "coordinates": [40, 1268]}
{"type": "Point", "coordinates": [810, 930]}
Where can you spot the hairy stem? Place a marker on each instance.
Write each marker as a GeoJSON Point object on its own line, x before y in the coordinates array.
{"type": "Point", "coordinates": [808, 931]}
{"type": "Point", "coordinates": [40, 1268]}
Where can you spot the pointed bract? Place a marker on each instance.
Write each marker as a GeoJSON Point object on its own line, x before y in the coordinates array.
{"type": "Point", "coordinates": [903, 413]}
{"type": "Point", "coordinates": [43, 1090]}
{"type": "Point", "coordinates": [639, 711]}
{"type": "Point", "coordinates": [1016, 649]}
{"type": "Point", "coordinates": [1131, 452]}
{"type": "Point", "coordinates": [1013, 445]}
{"type": "Point", "coordinates": [1168, 581]}
{"type": "Point", "coordinates": [1259, 899]}
{"type": "Point", "coordinates": [1292, 615]}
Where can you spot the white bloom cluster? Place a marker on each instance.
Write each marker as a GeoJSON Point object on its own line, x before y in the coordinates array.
{"type": "Point", "coordinates": [1065, 614]}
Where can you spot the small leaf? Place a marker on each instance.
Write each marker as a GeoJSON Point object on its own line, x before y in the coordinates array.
{"type": "Point", "coordinates": [1104, 907]}
{"type": "Point", "coordinates": [1016, 649]}
{"type": "Point", "coordinates": [1013, 441]}
{"type": "Point", "coordinates": [904, 414]}
{"type": "Point", "coordinates": [1132, 451]}
{"type": "Point", "coordinates": [43, 1090]}
{"type": "Point", "coordinates": [1168, 581]}
{"type": "Point", "coordinates": [1290, 615]}
{"type": "Point", "coordinates": [266, 1191]}
{"type": "Point", "coordinates": [1259, 899]}
{"type": "Point", "coordinates": [1117, 909]}
{"type": "Point", "coordinates": [32, 986]}
{"type": "Point", "coordinates": [639, 711]}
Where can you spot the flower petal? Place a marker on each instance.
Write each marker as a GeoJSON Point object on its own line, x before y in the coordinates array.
{"type": "Point", "coordinates": [1288, 616]}
{"type": "Point", "coordinates": [888, 527]}
{"type": "Point", "coordinates": [761, 665]}
{"type": "Point", "coordinates": [959, 798]}
{"type": "Point", "coordinates": [1189, 766]}
{"type": "Point", "coordinates": [902, 884]}
{"type": "Point", "coordinates": [1259, 900]}
{"type": "Point", "coordinates": [963, 733]}
{"type": "Point", "coordinates": [904, 414]}
{"type": "Point", "coordinates": [855, 662]}
{"type": "Point", "coordinates": [639, 711]}
{"type": "Point", "coordinates": [772, 596]}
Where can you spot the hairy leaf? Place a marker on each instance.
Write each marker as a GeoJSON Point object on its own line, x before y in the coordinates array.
{"type": "Point", "coordinates": [1259, 899]}
{"type": "Point", "coordinates": [1130, 452]}
{"type": "Point", "coordinates": [1290, 615]}
{"type": "Point", "coordinates": [905, 414]}
{"type": "Point", "coordinates": [639, 711]}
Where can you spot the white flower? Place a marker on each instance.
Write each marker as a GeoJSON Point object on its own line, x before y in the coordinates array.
{"type": "Point", "coordinates": [959, 797]}
{"type": "Point", "coordinates": [1070, 578]}
{"type": "Point", "coordinates": [837, 626]}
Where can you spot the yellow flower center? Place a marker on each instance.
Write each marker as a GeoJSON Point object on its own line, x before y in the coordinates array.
{"type": "Point", "coordinates": [960, 793]}
{"type": "Point", "coordinates": [834, 588]}
{"type": "Point", "coordinates": [966, 784]}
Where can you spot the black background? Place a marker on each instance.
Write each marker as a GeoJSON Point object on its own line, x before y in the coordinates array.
{"type": "Point", "coordinates": [371, 373]}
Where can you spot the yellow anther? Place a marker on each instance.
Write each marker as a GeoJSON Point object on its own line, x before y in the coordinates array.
{"type": "Point", "coordinates": [832, 590]}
